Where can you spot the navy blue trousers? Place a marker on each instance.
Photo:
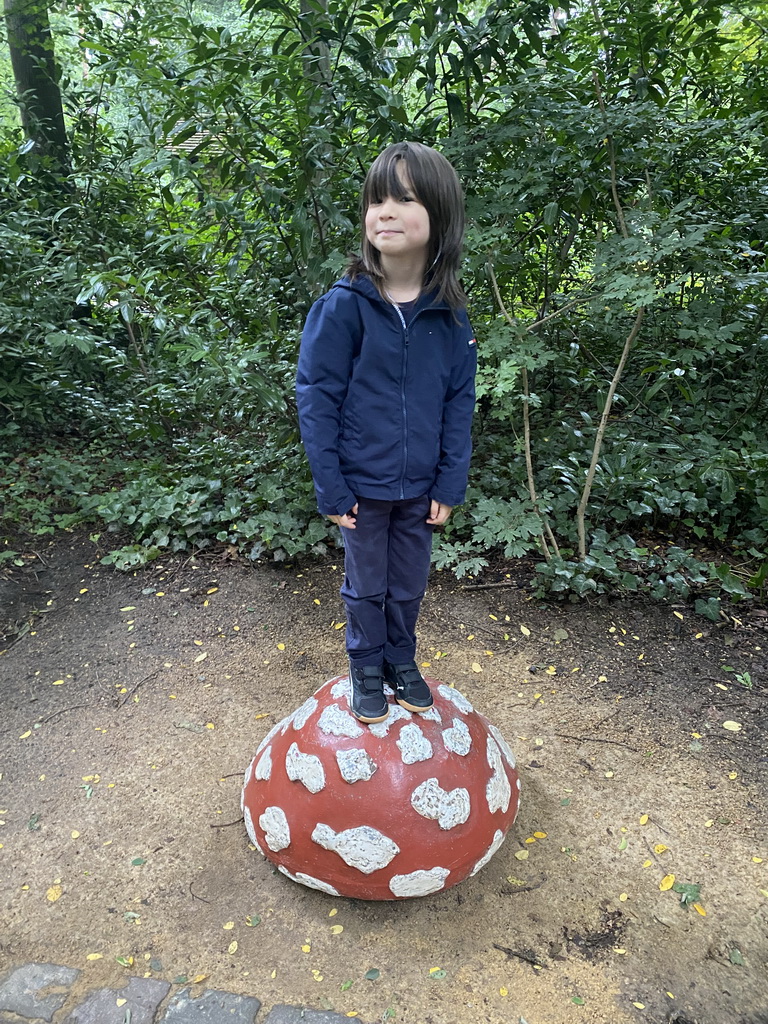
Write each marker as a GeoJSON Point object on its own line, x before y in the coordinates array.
{"type": "Point", "coordinates": [386, 565]}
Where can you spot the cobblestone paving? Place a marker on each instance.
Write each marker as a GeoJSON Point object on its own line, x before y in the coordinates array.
{"type": "Point", "coordinates": [37, 993]}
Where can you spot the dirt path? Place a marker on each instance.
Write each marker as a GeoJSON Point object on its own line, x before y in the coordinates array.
{"type": "Point", "coordinates": [133, 703]}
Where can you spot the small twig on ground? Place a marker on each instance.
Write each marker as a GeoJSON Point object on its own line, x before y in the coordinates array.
{"type": "Point", "coordinates": [233, 775]}
{"type": "Point", "coordinates": [528, 958]}
{"type": "Point", "coordinates": [228, 824]}
{"type": "Point", "coordinates": [128, 696]}
{"type": "Point", "coordinates": [485, 586]}
{"type": "Point", "coordinates": [194, 894]}
{"type": "Point", "coordinates": [596, 739]}
{"type": "Point", "coordinates": [61, 711]}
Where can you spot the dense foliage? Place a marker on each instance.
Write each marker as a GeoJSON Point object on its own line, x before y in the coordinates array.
{"type": "Point", "coordinates": [614, 161]}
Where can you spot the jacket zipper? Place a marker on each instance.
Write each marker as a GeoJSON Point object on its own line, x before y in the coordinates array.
{"type": "Point", "coordinates": [404, 369]}
{"type": "Point", "coordinates": [402, 394]}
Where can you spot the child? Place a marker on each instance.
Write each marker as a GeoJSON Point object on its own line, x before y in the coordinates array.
{"type": "Point", "coordinates": [385, 392]}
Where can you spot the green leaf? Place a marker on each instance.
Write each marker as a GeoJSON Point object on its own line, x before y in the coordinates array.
{"type": "Point", "coordinates": [689, 892]}
{"type": "Point", "coordinates": [138, 861]}
{"type": "Point", "coordinates": [578, 1000]}
{"type": "Point", "coordinates": [346, 985]}
{"type": "Point", "coordinates": [736, 958]}
{"type": "Point", "coordinates": [373, 974]}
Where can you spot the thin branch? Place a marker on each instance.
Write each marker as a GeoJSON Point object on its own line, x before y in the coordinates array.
{"type": "Point", "coordinates": [581, 510]}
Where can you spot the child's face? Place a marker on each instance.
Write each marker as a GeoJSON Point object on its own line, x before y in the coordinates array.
{"type": "Point", "coordinates": [398, 227]}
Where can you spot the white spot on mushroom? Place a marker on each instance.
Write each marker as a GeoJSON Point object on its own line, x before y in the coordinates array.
{"type": "Point", "coordinates": [269, 737]}
{"type": "Point", "coordinates": [517, 783]}
{"type": "Point", "coordinates": [355, 765]}
{"type": "Point", "coordinates": [448, 809]}
{"type": "Point", "coordinates": [396, 714]}
{"type": "Point", "coordinates": [248, 773]}
{"type": "Point", "coordinates": [305, 768]}
{"type": "Point", "coordinates": [498, 790]}
{"type": "Point", "coordinates": [433, 715]}
{"type": "Point", "coordinates": [504, 746]}
{"type": "Point", "coordinates": [302, 715]}
{"type": "Point", "coordinates": [364, 848]}
{"type": "Point", "coordinates": [335, 721]}
{"type": "Point", "coordinates": [414, 745]}
{"type": "Point", "coordinates": [341, 689]}
{"type": "Point", "coordinates": [457, 738]}
{"type": "Point", "coordinates": [308, 880]}
{"type": "Point", "coordinates": [456, 698]}
{"type": "Point", "coordinates": [249, 826]}
{"type": "Point", "coordinates": [264, 766]}
{"type": "Point", "coordinates": [274, 825]}
{"type": "Point", "coordinates": [419, 883]}
{"type": "Point", "coordinates": [498, 839]}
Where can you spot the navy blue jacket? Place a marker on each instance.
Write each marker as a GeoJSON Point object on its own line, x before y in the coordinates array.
{"type": "Point", "coordinates": [385, 410]}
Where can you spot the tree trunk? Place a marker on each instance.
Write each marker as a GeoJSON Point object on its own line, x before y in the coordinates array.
{"type": "Point", "coordinates": [37, 80]}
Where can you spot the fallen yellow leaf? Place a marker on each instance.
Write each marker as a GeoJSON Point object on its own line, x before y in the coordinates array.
{"type": "Point", "coordinates": [643, 819]}
{"type": "Point", "coordinates": [54, 893]}
{"type": "Point", "coordinates": [228, 926]}
{"type": "Point", "coordinates": [476, 667]}
{"type": "Point", "coordinates": [198, 978]}
{"type": "Point", "coordinates": [337, 929]}
{"type": "Point", "coordinates": [74, 834]}
{"type": "Point", "coordinates": [281, 647]}
{"type": "Point", "coordinates": [306, 948]}
{"type": "Point", "coordinates": [232, 947]}
{"type": "Point", "coordinates": [333, 913]}
{"type": "Point", "coordinates": [95, 956]}
{"type": "Point", "coordinates": [660, 848]}
{"type": "Point", "coordinates": [120, 1002]}
{"type": "Point", "coordinates": [525, 631]}
{"type": "Point", "coordinates": [503, 991]}
{"type": "Point", "coordinates": [678, 615]}
{"type": "Point", "coordinates": [667, 882]}
{"type": "Point", "coordinates": [732, 726]}
{"type": "Point", "coordinates": [540, 835]}
{"type": "Point", "coordinates": [699, 909]}
{"type": "Point", "coordinates": [521, 855]}
{"type": "Point", "coordinates": [24, 735]}
{"type": "Point", "coordinates": [641, 1006]}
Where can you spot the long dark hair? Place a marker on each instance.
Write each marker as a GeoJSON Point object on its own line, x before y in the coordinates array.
{"type": "Point", "coordinates": [436, 186]}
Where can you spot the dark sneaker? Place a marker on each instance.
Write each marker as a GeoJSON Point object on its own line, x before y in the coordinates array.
{"type": "Point", "coordinates": [368, 701]}
{"type": "Point", "coordinates": [411, 691]}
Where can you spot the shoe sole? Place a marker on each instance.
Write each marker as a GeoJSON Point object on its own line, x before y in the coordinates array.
{"type": "Point", "coordinates": [412, 707]}
{"type": "Point", "coordinates": [371, 721]}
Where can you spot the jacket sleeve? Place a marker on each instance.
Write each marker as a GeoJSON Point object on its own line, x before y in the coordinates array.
{"type": "Point", "coordinates": [330, 339]}
{"type": "Point", "coordinates": [450, 484]}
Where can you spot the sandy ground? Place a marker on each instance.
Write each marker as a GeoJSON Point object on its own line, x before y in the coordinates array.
{"type": "Point", "coordinates": [132, 704]}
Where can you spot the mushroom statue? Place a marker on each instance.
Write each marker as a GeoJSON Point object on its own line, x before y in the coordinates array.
{"type": "Point", "coordinates": [405, 807]}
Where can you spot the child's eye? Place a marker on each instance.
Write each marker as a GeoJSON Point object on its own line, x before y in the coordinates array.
{"type": "Point", "coordinates": [407, 199]}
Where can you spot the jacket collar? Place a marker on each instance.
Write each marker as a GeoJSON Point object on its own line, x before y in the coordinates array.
{"type": "Point", "coordinates": [364, 286]}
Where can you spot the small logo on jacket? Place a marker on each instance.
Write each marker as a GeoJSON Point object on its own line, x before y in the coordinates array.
{"type": "Point", "coordinates": [472, 341]}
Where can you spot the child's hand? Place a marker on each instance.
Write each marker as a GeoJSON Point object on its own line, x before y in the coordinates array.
{"type": "Point", "coordinates": [438, 514]}
{"type": "Point", "coordinates": [346, 521]}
